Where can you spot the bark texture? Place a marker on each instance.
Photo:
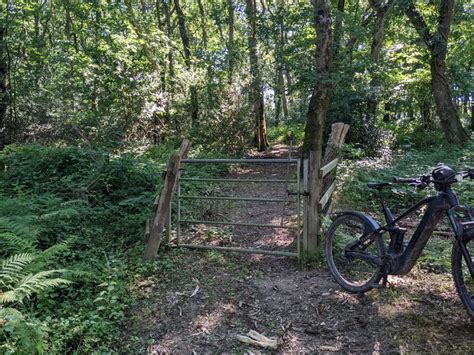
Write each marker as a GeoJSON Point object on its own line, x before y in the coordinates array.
{"type": "Point", "coordinates": [194, 104]}
{"type": "Point", "coordinates": [281, 102]}
{"type": "Point", "coordinates": [230, 41]}
{"type": "Point", "coordinates": [256, 90]}
{"type": "Point", "coordinates": [3, 82]}
{"type": "Point", "coordinates": [321, 96]}
{"type": "Point", "coordinates": [437, 44]}
{"type": "Point", "coordinates": [381, 10]}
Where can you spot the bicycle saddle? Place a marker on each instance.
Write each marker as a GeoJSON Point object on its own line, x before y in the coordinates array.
{"type": "Point", "coordinates": [378, 185]}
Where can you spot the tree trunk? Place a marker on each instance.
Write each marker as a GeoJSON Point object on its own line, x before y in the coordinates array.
{"type": "Point", "coordinates": [202, 13]}
{"type": "Point", "coordinates": [256, 91]}
{"type": "Point", "coordinates": [281, 103]}
{"type": "Point", "coordinates": [161, 27]}
{"type": "Point", "coordinates": [281, 65]}
{"type": "Point", "coordinates": [472, 114]}
{"type": "Point", "coordinates": [171, 77]}
{"type": "Point", "coordinates": [381, 12]}
{"type": "Point", "coordinates": [338, 27]}
{"type": "Point", "coordinates": [203, 23]}
{"type": "Point", "coordinates": [437, 44]}
{"type": "Point", "coordinates": [447, 112]}
{"type": "Point", "coordinates": [387, 117]}
{"type": "Point", "coordinates": [3, 82]}
{"type": "Point", "coordinates": [321, 96]}
{"type": "Point", "coordinates": [230, 43]}
{"type": "Point", "coordinates": [425, 112]}
{"type": "Point", "coordinates": [194, 104]}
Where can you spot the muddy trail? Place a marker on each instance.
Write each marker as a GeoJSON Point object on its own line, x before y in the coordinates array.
{"type": "Point", "coordinates": [199, 301]}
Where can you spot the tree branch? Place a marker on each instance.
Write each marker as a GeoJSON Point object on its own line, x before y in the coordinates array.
{"type": "Point", "coordinates": [445, 16]}
{"type": "Point", "coordinates": [419, 23]}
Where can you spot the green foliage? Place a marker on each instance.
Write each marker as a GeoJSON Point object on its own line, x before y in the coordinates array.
{"type": "Point", "coordinates": [281, 133]}
{"type": "Point", "coordinates": [20, 334]}
{"type": "Point", "coordinates": [82, 210]}
{"type": "Point", "coordinates": [20, 278]}
{"type": "Point", "coordinates": [411, 163]}
{"type": "Point", "coordinates": [16, 284]}
{"type": "Point", "coordinates": [103, 80]}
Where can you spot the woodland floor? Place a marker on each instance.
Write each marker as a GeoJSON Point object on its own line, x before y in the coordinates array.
{"type": "Point", "coordinates": [203, 299]}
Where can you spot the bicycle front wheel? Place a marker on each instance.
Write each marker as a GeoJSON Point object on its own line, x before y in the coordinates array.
{"type": "Point", "coordinates": [350, 253]}
{"type": "Point", "coordinates": [462, 278]}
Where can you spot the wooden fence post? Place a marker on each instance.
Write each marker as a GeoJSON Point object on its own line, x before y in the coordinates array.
{"type": "Point", "coordinates": [164, 201]}
{"type": "Point", "coordinates": [315, 185]}
{"type": "Point", "coordinates": [336, 140]}
{"type": "Point", "coordinates": [322, 184]}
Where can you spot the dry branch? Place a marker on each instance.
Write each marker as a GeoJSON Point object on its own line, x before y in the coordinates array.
{"type": "Point", "coordinates": [257, 339]}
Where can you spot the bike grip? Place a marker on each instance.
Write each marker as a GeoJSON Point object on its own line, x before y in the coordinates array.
{"type": "Point", "coordinates": [404, 180]}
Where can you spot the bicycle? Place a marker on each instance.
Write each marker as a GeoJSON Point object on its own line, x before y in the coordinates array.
{"type": "Point", "coordinates": [359, 259]}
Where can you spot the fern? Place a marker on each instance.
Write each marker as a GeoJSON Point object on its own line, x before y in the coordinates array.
{"type": "Point", "coordinates": [16, 237]}
{"type": "Point", "coordinates": [12, 243]}
{"type": "Point", "coordinates": [64, 213]}
{"type": "Point", "coordinates": [15, 263]}
{"type": "Point", "coordinates": [47, 256]}
{"type": "Point", "coordinates": [16, 286]}
{"type": "Point", "coordinates": [32, 284]}
{"type": "Point", "coordinates": [19, 228]}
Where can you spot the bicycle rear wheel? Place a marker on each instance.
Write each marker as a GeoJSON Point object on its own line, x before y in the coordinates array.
{"type": "Point", "coordinates": [462, 278]}
{"type": "Point", "coordinates": [349, 259]}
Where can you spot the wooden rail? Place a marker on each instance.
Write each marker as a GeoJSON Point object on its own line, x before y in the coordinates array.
{"type": "Point", "coordinates": [326, 169]}
{"type": "Point", "coordinates": [327, 195]}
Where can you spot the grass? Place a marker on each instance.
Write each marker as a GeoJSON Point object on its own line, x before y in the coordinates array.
{"type": "Point", "coordinates": [353, 192]}
{"type": "Point", "coordinates": [412, 163]}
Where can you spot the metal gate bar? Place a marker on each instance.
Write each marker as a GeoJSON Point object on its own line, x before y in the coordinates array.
{"type": "Point", "coordinates": [291, 181]}
{"type": "Point", "coordinates": [240, 161]}
{"type": "Point", "coordinates": [190, 221]}
{"type": "Point", "coordinates": [240, 250]}
{"type": "Point", "coordinates": [232, 198]}
{"type": "Point", "coordinates": [180, 197]}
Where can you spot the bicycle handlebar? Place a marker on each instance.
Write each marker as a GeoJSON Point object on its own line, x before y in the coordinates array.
{"type": "Point", "coordinates": [405, 180]}
{"type": "Point", "coordinates": [424, 180]}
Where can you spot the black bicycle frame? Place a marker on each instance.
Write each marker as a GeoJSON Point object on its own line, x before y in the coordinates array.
{"type": "Point", "coordinates": [444, 202]}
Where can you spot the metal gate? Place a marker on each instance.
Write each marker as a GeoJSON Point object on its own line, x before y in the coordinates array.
{"type": "Point", "coordinates": [293, 192]}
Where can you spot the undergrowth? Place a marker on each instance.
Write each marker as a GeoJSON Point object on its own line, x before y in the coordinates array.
{"type": "Point", "coordinates": [87, 208]}
{"type": "Point", "coordinates": [80, 214]}
{"type": "Point", "coordinates": [354, 193]}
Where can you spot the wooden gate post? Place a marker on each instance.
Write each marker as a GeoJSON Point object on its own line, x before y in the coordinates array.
{"type": "Point", "coordinates": [164, 201]}
{"type": "Point", "coordinates": [321, 185]}
{"type": "Point", "coordinates": [315, 186]}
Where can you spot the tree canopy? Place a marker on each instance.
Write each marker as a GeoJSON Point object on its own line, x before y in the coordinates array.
{"type": "Point", "coordinates": [95, 71]}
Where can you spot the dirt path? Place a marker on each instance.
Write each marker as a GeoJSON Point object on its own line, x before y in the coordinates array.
{"type": "Point", "coordinates": [199, 301]}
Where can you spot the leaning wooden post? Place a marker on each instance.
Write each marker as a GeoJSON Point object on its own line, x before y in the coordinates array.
{"type": "Point", "coordinates": [333, 148]}
{"type": "Point", "coordinates": [164, 201]}
{"type": "Point", "coordinates": [312, 238]}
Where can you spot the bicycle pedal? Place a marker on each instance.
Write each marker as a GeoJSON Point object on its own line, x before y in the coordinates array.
{"type": "Point", "coordinates": [383, 284]}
